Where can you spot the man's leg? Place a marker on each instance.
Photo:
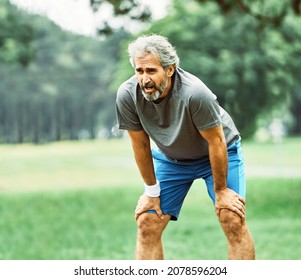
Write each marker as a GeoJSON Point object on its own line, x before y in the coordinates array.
{"type": "Point", "coordinates": [175, 181]}
{"type": "Point", "coordinates": [240, 241]}
{"type": "Point", "coordinates": [149, 236]}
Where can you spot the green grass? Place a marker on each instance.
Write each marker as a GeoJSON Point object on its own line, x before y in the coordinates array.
{"type": "Point", "coordinates": [77, 200]}
{"type": "Point", "coordinates": [67, 225]}
{"type": "Point", "coordinates": [66, 165]}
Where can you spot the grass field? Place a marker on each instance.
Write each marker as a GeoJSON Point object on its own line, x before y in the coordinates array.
{"type": "Point", "coordinates": [76, 200]}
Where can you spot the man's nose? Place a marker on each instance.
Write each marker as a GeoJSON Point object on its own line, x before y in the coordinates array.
{"type": "Point", "coordinates": [145, 78]}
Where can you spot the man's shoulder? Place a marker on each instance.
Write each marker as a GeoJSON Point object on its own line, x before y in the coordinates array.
{"type": "Point", "coordinates": [128, 85]}
{"type": "Point", "coordinates": [127, 91]}
{"type": "Point", "coordinates": [187, 77]}
{"type": "Point", "coordinates": [189, 84]}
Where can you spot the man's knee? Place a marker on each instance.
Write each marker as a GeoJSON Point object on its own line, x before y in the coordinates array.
{"type": "Point", "coordinates": [232, 224]}
{"type": "Point", "coordinates": [150, 226]}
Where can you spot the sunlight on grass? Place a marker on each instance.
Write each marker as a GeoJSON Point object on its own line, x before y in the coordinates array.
{"type": "Point", "coordinates": [273, 159]}
{"type": "Point", "coordinates": [70, 165]}
{"type": "Point", "coordinates": [92, 164]}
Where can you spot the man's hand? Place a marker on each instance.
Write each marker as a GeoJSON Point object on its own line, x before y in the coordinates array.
{"type": "Point", "coordinates": [148, 203]}
{"type": "Point", "coordinates": [229, 199]}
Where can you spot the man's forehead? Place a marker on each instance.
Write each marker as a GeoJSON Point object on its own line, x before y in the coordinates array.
{"type": "Point", "coordinates": [147, 60]}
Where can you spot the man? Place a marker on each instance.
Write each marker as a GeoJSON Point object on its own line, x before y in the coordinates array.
{"type": "Point", "coordinates": [194, 137]}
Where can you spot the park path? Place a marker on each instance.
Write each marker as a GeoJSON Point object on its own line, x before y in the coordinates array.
{"type": "Point", "coordinates": [272, 171]}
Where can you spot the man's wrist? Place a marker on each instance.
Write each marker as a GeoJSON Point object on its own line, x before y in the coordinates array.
{"type": "Point", "coordinates": [153, 190]}
{"type": "Point", "coordinates": [220, 188]}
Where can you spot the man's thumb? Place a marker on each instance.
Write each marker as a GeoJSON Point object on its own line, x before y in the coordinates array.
{"type": "Point", "coordinates": [159, 213]}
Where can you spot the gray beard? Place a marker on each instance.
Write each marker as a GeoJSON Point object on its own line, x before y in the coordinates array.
{"type": "Point", "coordinates": [156, 95]}
{"type": "Point", "coordinates": [153, 96]}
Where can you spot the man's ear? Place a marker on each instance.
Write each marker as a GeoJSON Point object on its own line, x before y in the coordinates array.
{"type": "Point", "coordinates": [170, 70]}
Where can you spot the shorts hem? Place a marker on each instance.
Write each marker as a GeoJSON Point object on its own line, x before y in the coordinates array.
{"type": "Point", "coordinates": [173, 217]}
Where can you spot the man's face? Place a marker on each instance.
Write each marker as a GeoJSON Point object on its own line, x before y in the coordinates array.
{"type": "Point", "coordinates": [152, 78]}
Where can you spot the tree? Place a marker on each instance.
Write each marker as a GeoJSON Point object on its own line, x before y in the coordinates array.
{"type": "Point", "coordinates": [64, 92]}
{"type": "Point", "coordinates": [15, 36]}
{"type": "Point", "coordinates": [131, 9]}
{"type": "Point", "coordinates": [265, 11]}
{"type": "Point", "coordinates": [247, 65]}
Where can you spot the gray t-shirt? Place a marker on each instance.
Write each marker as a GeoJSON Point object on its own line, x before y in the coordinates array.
{"type": "Point", "coordinates": [174, 124]}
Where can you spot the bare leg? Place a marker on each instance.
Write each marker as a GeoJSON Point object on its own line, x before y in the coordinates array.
{"type": "Point", "coordinates": [240, 241]}
{"type": "Point", "coordinates": [149, 244]}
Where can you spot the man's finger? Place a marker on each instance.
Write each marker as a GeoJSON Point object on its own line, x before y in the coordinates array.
{"type": "Point", "coordinates": [159, 213]}
{"type": "Point", "coordinates": [137, 216]}
{"type": "Point", "coordinates": [240, 206]}
{"type": "Point", "coordinates": [239, 212]}
{"type": "Point", "coordinates": [234, 209]}
{"type": "Point", "coordinates": [241, 200]}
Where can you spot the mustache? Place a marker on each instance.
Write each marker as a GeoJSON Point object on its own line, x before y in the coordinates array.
{"type": "Point", "coordinates": [148, 85]}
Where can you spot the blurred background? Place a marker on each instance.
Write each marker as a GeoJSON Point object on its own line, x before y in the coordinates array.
{"type": "Point", "coordinates": [63, 162]}
{"type": "Point", "coordinates": [62, 62]}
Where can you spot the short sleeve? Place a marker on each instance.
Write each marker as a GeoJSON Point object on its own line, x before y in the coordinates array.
{"type": "Point", "coordinates": [126, 114]}
{"type": "Point", "coordinates": [205, 110]}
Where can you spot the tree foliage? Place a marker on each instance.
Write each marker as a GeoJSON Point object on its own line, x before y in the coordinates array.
{"type": "Point", "coordinates": [15, 36]}
{"type": "Point", "coordinates": [265, 11]}
{"type": "Point", "coordinates": [250, 67]}
{"type": "Point", "coordinates": [132, 9]}
{"type": "Point", "coordinates": [64, 92]}
{"type": "Point", "coordinates": [56, 85]}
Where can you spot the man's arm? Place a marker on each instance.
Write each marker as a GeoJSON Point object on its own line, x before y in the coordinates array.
{"type": "Point", "coordinates": [143, 156]}
{"type": "Point", "coordinates": [224, 197]}
{"type": "Point", "coordinates": [142, 152]}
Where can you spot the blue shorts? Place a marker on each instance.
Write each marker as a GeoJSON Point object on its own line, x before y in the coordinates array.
{"type": "Point", "coordinates": [176, 178]}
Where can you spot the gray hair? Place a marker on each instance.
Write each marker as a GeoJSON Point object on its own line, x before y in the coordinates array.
{"type": "Point", "coordinates": [154, 44]}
